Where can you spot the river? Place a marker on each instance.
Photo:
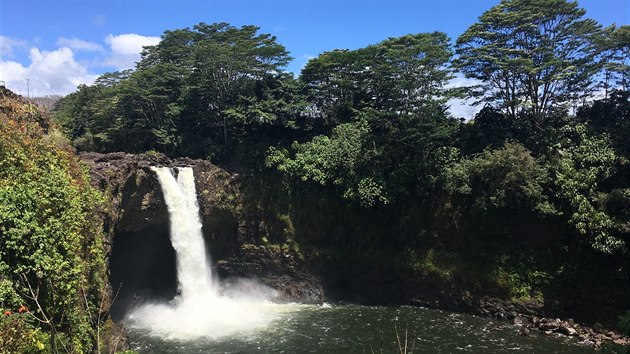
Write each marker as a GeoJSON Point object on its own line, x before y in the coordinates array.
{"type": "Point", "coordinates": [365, 329]}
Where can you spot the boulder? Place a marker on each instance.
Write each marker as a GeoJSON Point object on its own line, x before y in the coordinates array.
{"type": "Point", "coordinates": [568, 331]}
{"type": "Point", "coordinates": [549, 325]}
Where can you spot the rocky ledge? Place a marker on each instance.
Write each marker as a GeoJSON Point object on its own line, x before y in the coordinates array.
{"type": "Point", "coordinates": [556, 327]}
{"type": "Point", "coordinates": [280, 268]}
{"type": "Point", "coordinates": [527, 315]}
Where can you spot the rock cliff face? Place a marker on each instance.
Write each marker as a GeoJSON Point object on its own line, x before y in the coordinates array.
{"type": "Point", "coordinates": [142, 261]}
{"type": "Point", "coordinates": [133, 195]}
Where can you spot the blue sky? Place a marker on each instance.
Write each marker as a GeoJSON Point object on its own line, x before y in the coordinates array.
{"type": "Point", "coordinates": [58, 44]}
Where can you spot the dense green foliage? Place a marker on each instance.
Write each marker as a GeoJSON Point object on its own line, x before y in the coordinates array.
{"type": "Point", "coordinates": [359, 156]}
{"type": "Point", "coordinates": [199, 92]}
{"type": "Point", "coordinates": [52, 266]}
{"type": "Point", "coordinates": [390, 130]}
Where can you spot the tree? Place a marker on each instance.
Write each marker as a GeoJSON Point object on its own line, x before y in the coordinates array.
{"type": "Point", "coordinates": [228, 64]}
{"type": "Point", "coordinates": [531, 55]}
{"type": "Point", "coordinates": [219, 67]}
{"type": "Point", "coordinates": [91, 115]}
{"type": "Point", "coordinates": [400, 76]}
{"type": "Point", "coordinates": [580, 164]}
{"type": "Point", "coordinates": [384, 129]}
{"type": "Point", "coordinates": [341, 160]}
{"type": "Point", "coordinates": [490, 128]}
{"type": "Point", "coordinates": [506, 177]}
{"type": "Point", "coordinates": [145, 111]}
{"type": "Point", "coordinates": [186, 95]}
{"type": "Point", "coordinates": [610, 116]}
{"type": "Point", "coordinates": [614, 48]}
{"type": "Point", "coordinates": [73, 111]}
{"type": "Point", "coordinates": [497, 196]}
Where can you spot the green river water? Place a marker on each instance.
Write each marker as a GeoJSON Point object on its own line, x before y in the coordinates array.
{"type": "Point", "coordinates": [364, 329]}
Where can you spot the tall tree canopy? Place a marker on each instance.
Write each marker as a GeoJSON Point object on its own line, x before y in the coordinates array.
{"type": "Point", "coordinates": [530, 55]}
{"type": "Point", "coordinates": [614, 47]}
{"type": "Point", "coordinates": [190, 94]}
{"type": "Point", "coordinates": [402, 75]}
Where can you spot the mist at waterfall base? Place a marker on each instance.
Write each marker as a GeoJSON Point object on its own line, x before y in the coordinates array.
{"type": "Point", "coordinates": [202, 307]}
{"type": "Point", "coordinates": [207, 317]}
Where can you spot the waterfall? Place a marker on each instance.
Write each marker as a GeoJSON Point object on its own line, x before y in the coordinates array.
{"type": "Point", "coordinates": [193, 266]}
{"type": "Point", "coordinates": [199, 309]}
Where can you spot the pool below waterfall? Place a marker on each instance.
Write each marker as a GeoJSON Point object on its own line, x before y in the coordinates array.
{"type": "Point", "coordinates": [364, 329]}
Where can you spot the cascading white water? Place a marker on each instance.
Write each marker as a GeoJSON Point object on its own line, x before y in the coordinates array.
{"type": "Point", "coordinates": [193, 266]}
{"type": "Point", "coordinates": [199, 310]}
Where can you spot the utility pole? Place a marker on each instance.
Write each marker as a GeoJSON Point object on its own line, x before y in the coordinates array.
{"type": "Point", "coordinates": [28, 92]}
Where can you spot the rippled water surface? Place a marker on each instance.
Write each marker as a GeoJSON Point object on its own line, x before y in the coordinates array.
{"type": "Point", "coordinates": [364, 329]}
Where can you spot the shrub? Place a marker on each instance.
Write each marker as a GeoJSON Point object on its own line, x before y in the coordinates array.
{"type": "Point", "coordinates": [51, 254]}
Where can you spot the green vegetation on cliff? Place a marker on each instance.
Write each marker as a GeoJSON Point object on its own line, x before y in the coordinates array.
{"type": "Point", "coordinates": [52, 265]}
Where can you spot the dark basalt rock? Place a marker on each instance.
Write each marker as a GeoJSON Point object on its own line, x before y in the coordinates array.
{"type": "Point", "coordinates": [280, 269]}
{"type": "Point", "coordinates": [135, 200]}
{"type": "Point", "coordinates": [525, 315]}
{"type": "Point", "coordinates": [133, 195]}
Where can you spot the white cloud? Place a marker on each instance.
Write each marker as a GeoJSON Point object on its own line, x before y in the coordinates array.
{"type": "Point", "coordinates": [58, 72]}
{"type": "Point", "coordinates": [7, 44]}
{"type": "Point", "coordinates": [126, 49]}
{"type": "Point", "coordinates": [463, 108]}
{"type": "Point", "coordinates": [462, 81]}
{"type": "Point", "coordinates": [49, 73]}
{"type": "Point", "coordinates": [11, 71]}
{"type": "Point", "coordinates": [79, 44]}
